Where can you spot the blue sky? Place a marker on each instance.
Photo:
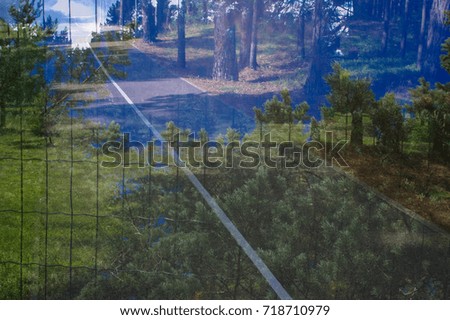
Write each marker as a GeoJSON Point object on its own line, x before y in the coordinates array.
{"type": "Point", "coordinates": [82, 10]}
{"type": "Point", "coordinates": [83, 19]}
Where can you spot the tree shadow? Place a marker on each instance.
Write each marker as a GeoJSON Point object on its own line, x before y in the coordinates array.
{"type": "Point", "coordinates": [196, 112]}
{"type": "Point", "coordinates": [200, 42]}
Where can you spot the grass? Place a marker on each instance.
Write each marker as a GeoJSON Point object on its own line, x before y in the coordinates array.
{"type": "Point", "coordinates": [40, 229]}
{"type": "Point", "coordinates": [280, 133]}
{"type": "Point", "coordinates": [91, 245]}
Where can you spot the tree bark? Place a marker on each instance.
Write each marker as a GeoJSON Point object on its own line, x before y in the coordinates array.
{"type": "Point", "coordinates": [386, 27]}
{"type": "Point", "coordinates": [43, 14]}
{"type": "Point", "coordinates": [314, 84]}
{"type": "Point", "coordinates": [254, 38]}
{"type": "Point", "coordinates": [246, 35]}
{"type": "Point", "coordinates": [362, 8]}
{"type": "Point", "coordinates": [225, 62]}
{"type": "Point", "coordinates": [70, 22]}
{"type": "Point", "coordinates": [121, 13]}
{"type": "Point", "coordinates": [358, 9]}
{"type": "Point", "coordinates": [405, 23]}
{"type": "Point", "coordinates": [188, 7]}
{"type": "Point", "coordinates": [301, 30]}
{"type": "Point", "coordinates": [182, 35]}
{"type": "Point", "coordinates": [377, 11]}
{"type": "Point", "coordinates": [95, 14]}
{"type": "Point", "coordinates": [148, 21]}
{"type": "Point", "coordinates": [356, 136]}
{"type": "Point", "coordinates": [205, 11]}
{"type": "Point", "coordinates": [161, 6]}
{"type": "Point", "coordinates": [437, 33]}
{"type": "Point", "coordinates": [420, 49]}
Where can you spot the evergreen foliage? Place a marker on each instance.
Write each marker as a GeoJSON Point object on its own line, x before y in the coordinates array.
{"type": "Point", "coordinates": [282, 112]}
{"type": "Point", "coordinates": [433, 106]}
{"type": "Point", "coordinates": [390, 127]}
{"type": "Point", "coordinates": [352, 96]}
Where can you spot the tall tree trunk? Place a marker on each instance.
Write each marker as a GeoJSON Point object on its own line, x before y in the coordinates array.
{"type": "Point", "coordinates": [136, 24]}
{"type": "Point", "coordinates": [225, 62]}
{"type": "Point", "coordinates": [386, 27]}
{"type": "Point", "coordinates": [43, 14]}
{"type": "Point", "coordinates": [254, 39]}
{"type": "Point", "coordinates": [420, 49]}
{"type": "Point", "coordinates": [314, 83]}
{"type": "Point", "coordinates": [378, 9]}
{"type": "Point", "coordinates": [363, 9]}
{"type": "Point", "coordinates": [96, 15]}
{"type": "Point", "coordinates": [405, 22]}
{"type": "Point", "coordinates": [437, 33]}
{"type": "Point", "coordinates": [70, 22]}
{"type": "Point", "coordinates": [148, 21]}
{"type": "Point", "coordinates": [438, 145]}
{"type": "Point", "coordinates": [121, 13]}
{"type": "Point", "coordinates": [205, 11]}
{"type": "Point", "coordinates": [246, 35]}
{"type": "Point", "coordinates": [182, 35]}
{"type": "Point", "coordinates": [160, 14]}
{"type": "Point", "coordinates": [301, 30]}
{"type": "Point", "coordinates": [356, 136]}
{"type": "Point", "coordinates": [358, 8]}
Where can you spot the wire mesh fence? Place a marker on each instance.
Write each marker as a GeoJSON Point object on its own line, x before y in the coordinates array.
{"type": "Point", "coordinates": [331, 237]}
{"type": "Point", "coordinates": [73, 228]}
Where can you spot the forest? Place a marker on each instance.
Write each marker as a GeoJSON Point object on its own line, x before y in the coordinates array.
{"type": "Point", "coordinates": [371, 73]}
{"type": "Point", "coordinates": [407, 28]}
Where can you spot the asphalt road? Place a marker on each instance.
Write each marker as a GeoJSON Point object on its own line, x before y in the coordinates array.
{"type": "Point", "coordinates": [142, 95]}
{"type": "Point", "coordinates": [163, 97]}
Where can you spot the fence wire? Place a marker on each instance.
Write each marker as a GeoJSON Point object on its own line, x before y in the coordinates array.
{"type": "Point", "coordinates": [53, 254]}
{"type": "Point", "coordinates": [62, 211]}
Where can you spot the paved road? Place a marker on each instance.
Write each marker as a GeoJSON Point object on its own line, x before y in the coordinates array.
{"type": "Point", "coordinates": [163, 97]}
{"type": "Point", "coordinates": [153, 98]}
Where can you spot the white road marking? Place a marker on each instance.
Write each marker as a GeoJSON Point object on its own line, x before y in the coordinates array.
{"type": "Point", "coordinates": [228, 224]}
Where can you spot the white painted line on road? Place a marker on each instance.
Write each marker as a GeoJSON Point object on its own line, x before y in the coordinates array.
{"type": "Point", "coordinates": [235, 233]}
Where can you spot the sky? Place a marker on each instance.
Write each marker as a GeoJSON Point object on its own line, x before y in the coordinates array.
{"type": "Point", "coordinates": [83, 18]}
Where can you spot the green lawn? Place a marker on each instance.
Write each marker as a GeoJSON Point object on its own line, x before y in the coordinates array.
{"type": "Point", "coordinates": [58, 209]}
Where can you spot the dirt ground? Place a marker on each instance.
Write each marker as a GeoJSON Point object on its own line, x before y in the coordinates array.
{"type": "Point", "coordinates": [419, 185]}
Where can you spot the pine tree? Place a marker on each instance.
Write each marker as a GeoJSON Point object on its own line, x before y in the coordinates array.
{"type": "Point", "coordinates": [246, 34]}
{"type": "Point", "coordinates": [225, 61]}
{"type": "Point", "coordinates": [433, 105]}
{"type": "Point", "coordinates": [162, 8]}
{"type": "Point", "coordinates": [437, 33]}
{"type": "Point", "coordinates": [352, 96]}
{"type": "Point", "coordinates": [22, 57]}
{"type": "Point", "coordinates": [389, 123]}
{"type": "Point", "coordinates": [181, 26]}
{"type": "Point", "coordinates": [281, 112]}
{"type": "Point", "coordinates": [148, 21]}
